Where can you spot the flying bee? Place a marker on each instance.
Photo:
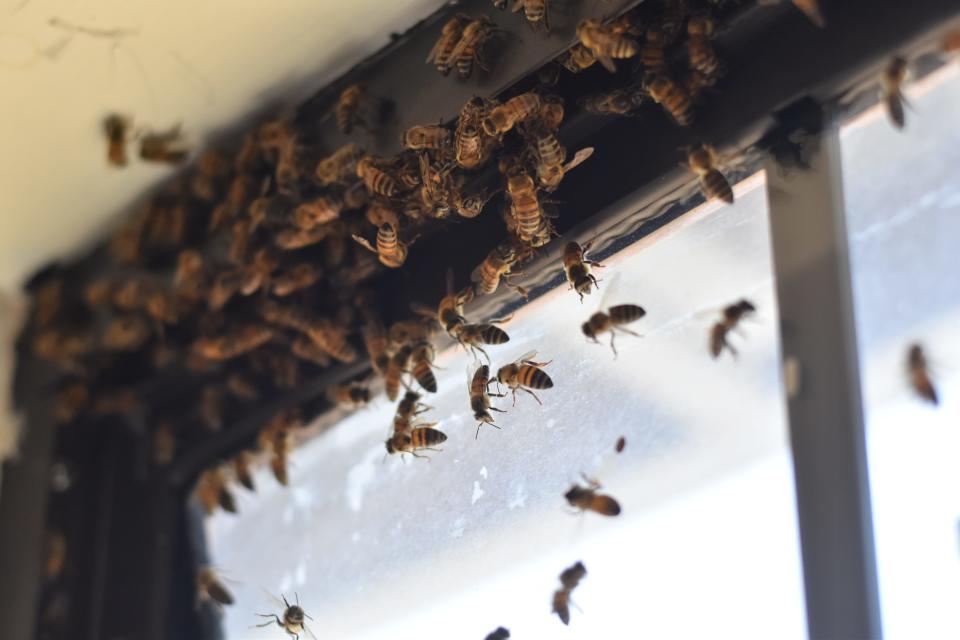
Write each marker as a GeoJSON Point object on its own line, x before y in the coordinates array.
{"type": "Point", "coordinates": [535, 11]}
{"type": "Point", "coordinates": [621, 444]}
{"type": "Point", "coordinates": [673, 98]}
{"type": "Point", "coordinates": [652, 53]}
{"type": "Point", "coordinates": [417, 439]}
{"type": "Point", "coordinates": [396, 367]}
{"type": "Point", "coordinates": [499, 633]}
{"type": "Point", "coordinates": [293, 621]}
{"type": "Point", "coordinates": [479, 390]}
{"type": "Point", "coordinates": [699, 48]}
{"type": "Point", "coordinates": [339, 167]}
{"type": "Point", "coordinates": [606, 43]}
{"type": "Point", "coordinates": [703, 161]}
{"type": "Point", "coordinates": [502, 118]}
{"type": "Point", "coordinates": [569, 579]}
{"type": "Point", "coordinates": [421, 359]}
{"type": "Point", "coordinates": [390, 250]}
{"type": "Point", "coordinates": [891, 83]}
{"type": "Point", "coordinates": [356, 107]}
{"type": "Point", "coordinates": [577, 58]}
{"type": "Point", "coordinates": [350, 395]}
{"type": "Point", "coordinates": [472, 336]}
{"type": "Point", "coordinates": [919, 374]}
{"type": "Point", "coordinates": [467, 50]}
{"type": "Point", "coordinates": [577, 268]}
{"type": "Point", "coordinates": [729, 319]}
{"type": "Point", "coordinates": [116, 128]}
{"type": "Point", "coordinates": [432, 137]}
{"type": "Point", "coordinates": [586, 498]}
{"type": "Point", "coordinates": [209, 588]}
{"type": "Point", "coordinates": [377, 180]}
{"type": "Point", "coordinates": [524, 374]}
{"type": "Point", "coordinates": [442, 53]}
{"type": "Point", "coordinates": [166, 146]}
{"type": "Point", "coordinates": [241, 469]}
{"type": "Point", "coordinates": [496, 266]}
{"type": "Point", "coordinates": [240, 340]}
{"type": "Point", "coordinates": [612, 321]}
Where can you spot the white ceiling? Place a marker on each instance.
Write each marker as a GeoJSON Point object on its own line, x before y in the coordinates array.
{"type": "Point", "coordinates": [203, 63]}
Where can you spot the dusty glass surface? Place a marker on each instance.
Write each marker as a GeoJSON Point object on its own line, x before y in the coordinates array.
{"type": "Point", "coordinates": [706, 545]}
{"type": "Point", "coordinates": [903, 200]}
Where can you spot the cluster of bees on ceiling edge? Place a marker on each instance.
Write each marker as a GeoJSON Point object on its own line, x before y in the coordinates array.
{"type": "Point", "coordinates": [245, 275]}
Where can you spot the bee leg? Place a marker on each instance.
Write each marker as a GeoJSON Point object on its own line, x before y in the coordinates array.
{"type": "Point", "coordinates": [274, 617]}
{"type": "Point", "coordinates": [593, 279]}
{"type": "Point", "coordinates": [533, 394]}
{"type": "Point", "coordinates": [539, 365]}
{"type": "Point", "coordinates": [514, 392]}
{"type": "Point", "coordinates": [612, 336]}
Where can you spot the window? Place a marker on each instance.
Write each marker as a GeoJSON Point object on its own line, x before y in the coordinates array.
{"type": "Point", "coordinates": [476, 537]}
{"type": "Point", "coordinates": [903, 211]}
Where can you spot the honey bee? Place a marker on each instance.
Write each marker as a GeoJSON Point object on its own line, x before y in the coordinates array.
{"type": "Point", "coordinates": [467, 50]}
{"type": "Point", "coordinates": [320, 210]}
{"type": "Point", "coordinates": [390, 250]}
{"type": "Point", "coordinates": [421, 137]}
{"type": "Point", "coordinates": [116, 128]}
{"type": "Point", "coordinates": [612, 321]}
{"type": "Point", "coordinates": [306, 350]}
{"type": "Point", "coordinates": [396, 367]}
{"type": "Point", "coordinates": [499, 633]}
{"type": "Point", "coordinates": [535, 12]}
{"type": "Point", "coordinates": [356, 107]}
{"type": "Point", "coordinates": [340, 167]}
{"type": "Point", "coordinates": [551, 168]}
{"type": "Point", "coordinates": [532, 225]}
{"type": "Point", "coordinates": [618, 102]}
{"type": "Point", "coordinates": [224, 286]}
{"type": "Point", "coordinates": [502, 118]}
{"type": "Point", "coordinates": [410, 332]}
{"type": "Point", "coordinates": [524, 374]}
{"type": "Point", "coordinates": [919, 374]}
{"type": "Point", "coordinates": [673, 98]}
{"type": "Point", "coordinates": [731, 316]}
{"type": "Point", "coordinates": [350, 395]}
{"type": "Point", "coordinates": [421, 359]}
{"type": "Point", "coordinates": [209, 587]}
{"type": "Point", "coordinates": [292, 239]}
{"type": "Point", "coordinates": [577, 58]}
{"type": "Point", "coordinates": [241, 469]}
{"type": "Point", "coordinates": [811, 9]}
{"type": "Point", "coordinates": [891, 83]}
{"type": "Point", "coordinates": [496, 266]}
{"type": "Point", "coordinates": [569, 579]}
{"type": "Point", "coordinates": [417, 439]}
{"type": "Point", "coordinates": [442, 53]}
{"type": "Point", "coordinates": [577, 268]}
{"type": "Point", "coordinates": [377, 180]}
{"type": "Point", "coordinates": [702, 160]}
{"type": "Point", "coordinates": [468, 140]}
{"type": "Point", "coordinates": [407, 411]}
{"type": "Point", "coordinates": [472, 336]}
{"type": "Point", "coordinates": [257, 273]}
{"type": "Point", "coordinates": [699, 48]}
{"type": "Point", "coordinates": [293, 621]}
{"type": "Point", "coordinates": [621, 444]}
{"type": "Point", "coordinates": [240, 340]}
{"type": "Point", "coordinates": [375, 340]}
{"type": "Point", "coordinates": [211, 407]}
{"type": "Point", "coordinates": [295, 278]}
{"type": "Point", "coordinates": [478, 387]}
{"type": "Point", "coordinates": [125, 333]}
{"type": "Point", "coordinates": [166, 146]}
{"type": "Point", "coordinates": [468, 206]}
{"type": "Point", "coordinates": [56, 555]}
{"type": "Point", "coordinates": [332, 338]}
{"type": "Point", "coordinates": [586, 498]}
{"type": "Point", "coordinates": [652, 53]}
{"type": "Point", "coordinates": [212, 169]}
{"type": "Point", "coordinates": [606, 43]}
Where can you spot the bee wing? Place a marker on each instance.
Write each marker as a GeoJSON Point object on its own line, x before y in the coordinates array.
{"type": "Point", "coordinates": [459, 48]}
{"type": "Point", "coordinates": [423, 310]}
{"type": "Point", "coordinates": [529, 355]}
{"type": "Point", "coordinates": [363, 242]}
{"type": "Point", "coordinates": [436, 48]}
{"type": "Point", "coordinates": [309, 632]}
{"type": "Point", "coordinates": [219, 592]}
{"type": "Point", "coordinates": [578, 158]}
{"type": "Point", "coordinates": [607, 63]}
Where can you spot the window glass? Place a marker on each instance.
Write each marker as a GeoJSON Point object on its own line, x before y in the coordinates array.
{"type": "Point", "coordinates": [706, 545]}
{"type": "Point", "coordinates": [903, 201]}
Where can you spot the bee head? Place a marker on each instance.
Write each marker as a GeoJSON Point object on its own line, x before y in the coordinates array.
{"type": "Point", "coordinates": [390, 449]}
{"type": "Point", "coordinates": [583, 285]}
{"type": "Point", "coordinates": [588, 330]}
